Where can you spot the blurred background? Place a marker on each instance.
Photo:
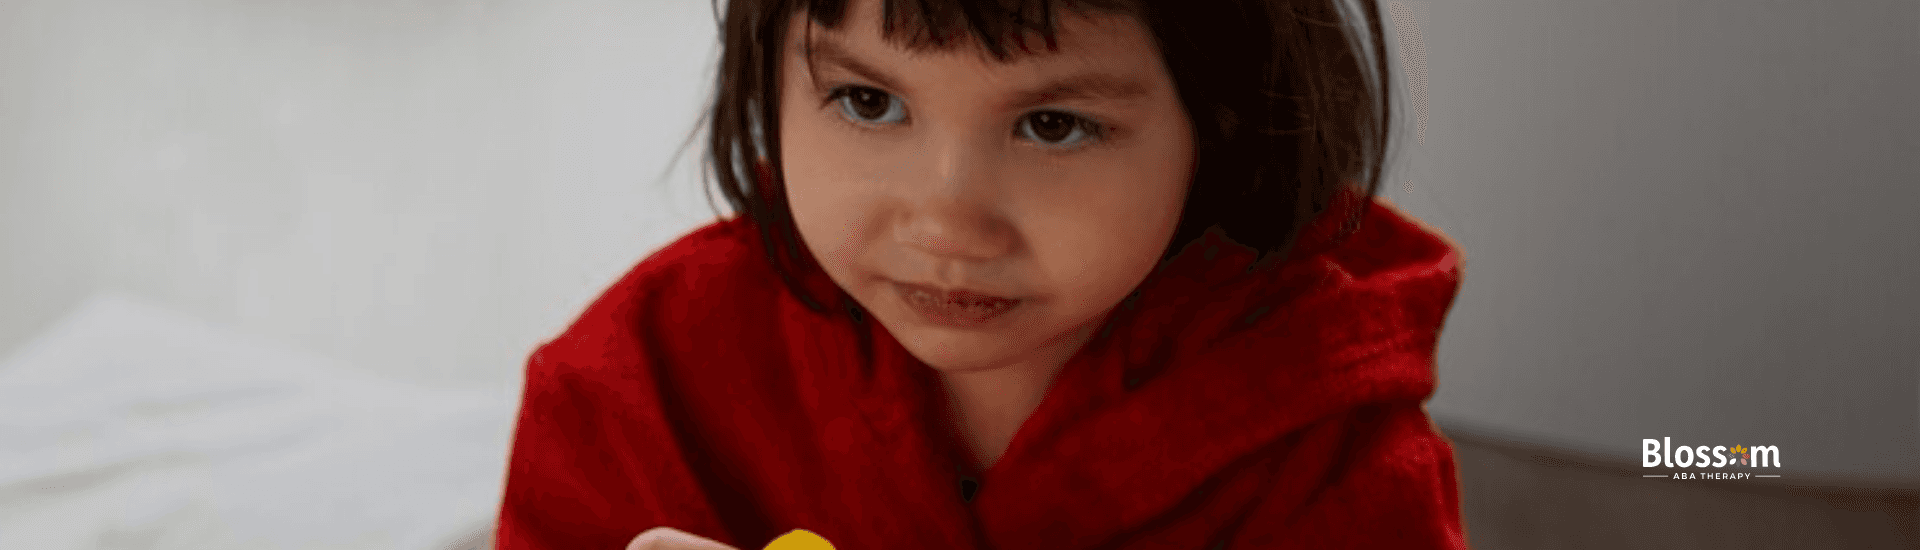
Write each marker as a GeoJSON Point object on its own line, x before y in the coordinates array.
{"type": "Point", "coordinates": [1688, 220]}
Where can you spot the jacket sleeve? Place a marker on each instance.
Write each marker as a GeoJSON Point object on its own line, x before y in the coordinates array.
{"type": "Point", "coordinates": [593, 462]}
{"type": "Point", "coordinates": [1390, 483]}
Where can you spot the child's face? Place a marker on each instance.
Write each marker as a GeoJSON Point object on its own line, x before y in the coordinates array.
{"type": "Point", "coordinates": [1054, 180]}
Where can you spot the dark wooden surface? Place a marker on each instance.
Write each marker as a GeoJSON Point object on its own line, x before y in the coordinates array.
{"type": "Point", "coordinates": [1515, 495]}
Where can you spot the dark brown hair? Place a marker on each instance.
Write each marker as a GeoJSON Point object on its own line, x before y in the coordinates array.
{"type": "Point", "coordinates": [1284, 110]}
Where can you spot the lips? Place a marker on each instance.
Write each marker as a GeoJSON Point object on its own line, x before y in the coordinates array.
{"type": "Point", "coordinates": [956, 296]}
{"type": "Point", "coordinates": [961, 308]}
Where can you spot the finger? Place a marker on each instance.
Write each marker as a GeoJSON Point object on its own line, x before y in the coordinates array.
{"type": "Point", "coordinates": [667, 538]}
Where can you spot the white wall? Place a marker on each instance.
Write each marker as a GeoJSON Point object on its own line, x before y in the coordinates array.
{"type": "Point", "coordinates": [1681, 219]}
{"type": "Point", "coordinates": [421, 188]}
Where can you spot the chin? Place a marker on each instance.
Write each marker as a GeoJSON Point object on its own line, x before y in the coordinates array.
{"type": "Point", "coordinates": [948, 353]}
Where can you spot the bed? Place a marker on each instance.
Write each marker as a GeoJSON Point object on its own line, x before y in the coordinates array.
{"type": "Point", "coordinates": [129, 426]}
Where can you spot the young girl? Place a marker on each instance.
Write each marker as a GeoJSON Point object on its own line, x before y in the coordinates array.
{"type": "Point", "coordinates": [1014, 275]}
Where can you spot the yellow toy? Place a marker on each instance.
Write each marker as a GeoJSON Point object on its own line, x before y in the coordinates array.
{"type": "Point", "coordinates": [800, 539]}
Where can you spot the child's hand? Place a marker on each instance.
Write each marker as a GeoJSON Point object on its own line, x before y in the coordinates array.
{"type": "Point", "coordinates": [667, 538]}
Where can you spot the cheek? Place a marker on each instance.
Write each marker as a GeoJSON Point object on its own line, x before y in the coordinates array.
{"type": "Point", "coordinates": [1110, 231]}
{"type": "Point", "coordinates": [827, 203]}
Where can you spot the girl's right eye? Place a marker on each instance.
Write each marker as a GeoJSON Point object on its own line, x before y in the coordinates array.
{"type": "Point", "coordinates": [867, 105]}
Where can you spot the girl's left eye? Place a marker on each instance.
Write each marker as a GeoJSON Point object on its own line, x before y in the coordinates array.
{"type": "Point", "coordinates": [1058, 129]}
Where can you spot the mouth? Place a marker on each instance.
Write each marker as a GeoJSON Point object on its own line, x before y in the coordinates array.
{"type": "Point", "coordinates": [958, 308]}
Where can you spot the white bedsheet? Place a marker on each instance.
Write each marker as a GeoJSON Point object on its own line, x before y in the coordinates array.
{"type": "Point", "coordinates": [126, 426]}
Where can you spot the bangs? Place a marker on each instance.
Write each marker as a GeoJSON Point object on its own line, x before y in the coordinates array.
{"type": "Point", "coordinates": [997, 26]}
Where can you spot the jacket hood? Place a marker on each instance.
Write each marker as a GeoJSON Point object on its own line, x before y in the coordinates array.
{"type": "Point", "coordinates": [1215, 362]}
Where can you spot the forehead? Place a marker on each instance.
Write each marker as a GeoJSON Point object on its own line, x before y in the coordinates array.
{"type": "Point", "coordinates": [926, 30]}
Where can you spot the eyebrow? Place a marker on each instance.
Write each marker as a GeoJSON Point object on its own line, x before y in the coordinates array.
{"type": "Point", "coordinates": [1091, 85]}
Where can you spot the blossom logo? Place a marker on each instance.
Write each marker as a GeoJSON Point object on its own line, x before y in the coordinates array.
{"type": "Point", "coordinates": [1656, 453]}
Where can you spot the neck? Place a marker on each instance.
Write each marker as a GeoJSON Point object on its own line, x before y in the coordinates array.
{"type": "Point", "coordinates": [988, 406]}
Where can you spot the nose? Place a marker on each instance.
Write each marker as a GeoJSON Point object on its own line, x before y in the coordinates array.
{"type": "Point", "coordinates": [952, 212]}
{"type": "Point", "coordinates": [955, 230]}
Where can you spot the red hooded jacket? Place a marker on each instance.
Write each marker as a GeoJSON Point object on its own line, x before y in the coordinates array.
{"type": "Point", "coordinates": [1221, 408]}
